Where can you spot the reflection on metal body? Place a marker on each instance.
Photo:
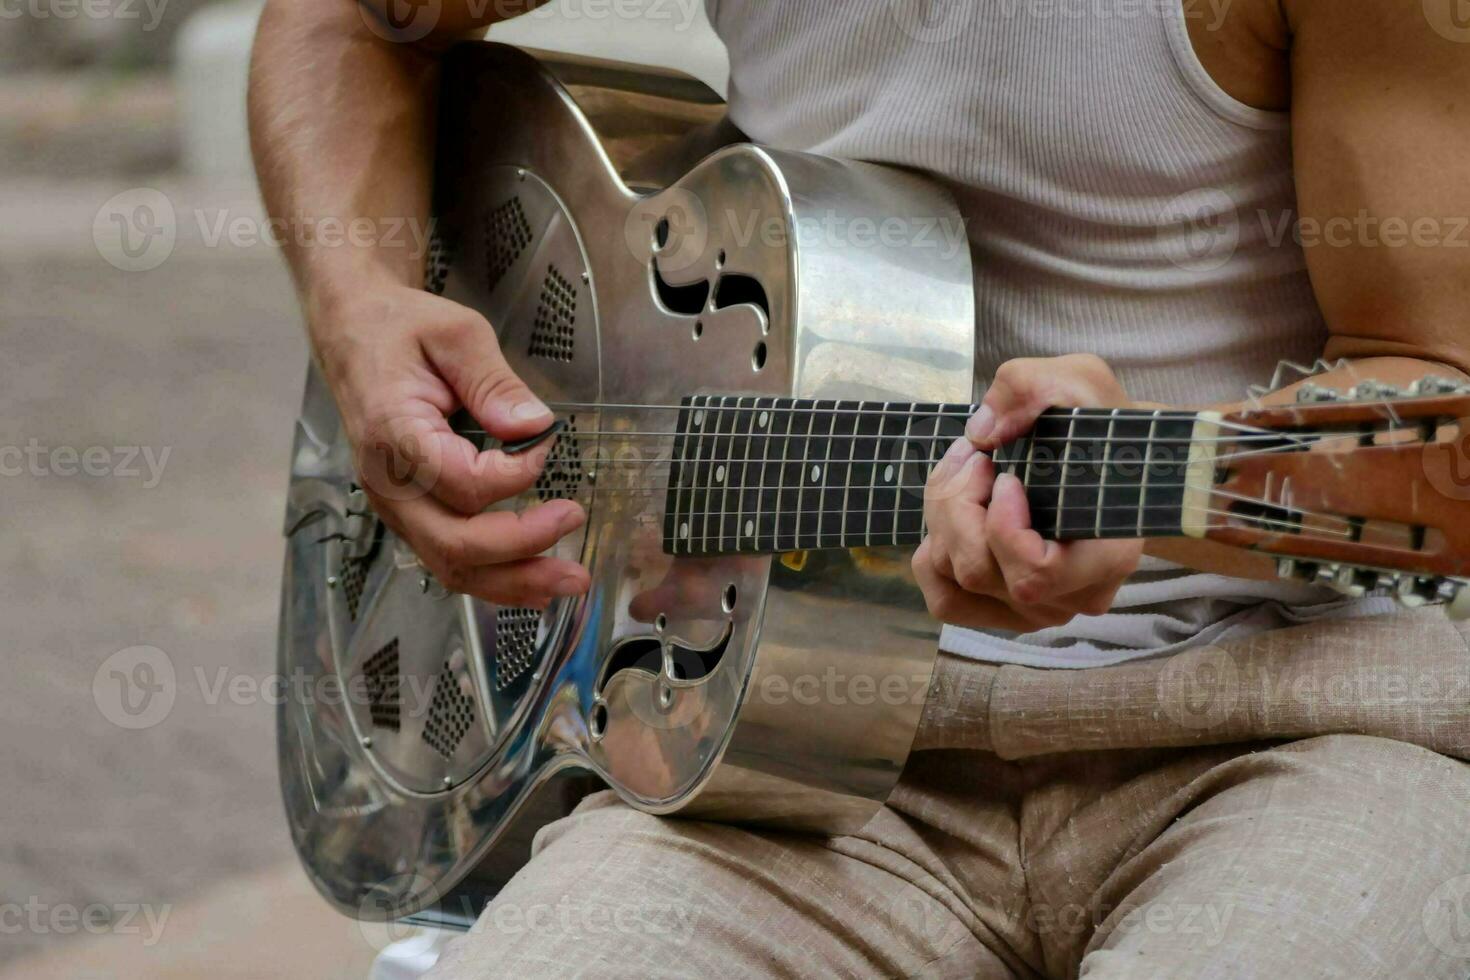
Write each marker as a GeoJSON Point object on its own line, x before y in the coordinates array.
{"type": "Point", "coordinates": [554, 231]}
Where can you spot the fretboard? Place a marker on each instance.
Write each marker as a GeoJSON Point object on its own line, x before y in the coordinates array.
{"type": "Point", "coordinates": [762, 475]}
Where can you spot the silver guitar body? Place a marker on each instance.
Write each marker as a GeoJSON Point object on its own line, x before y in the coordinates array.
{"type": "Point", "coordinates": [429, 734]}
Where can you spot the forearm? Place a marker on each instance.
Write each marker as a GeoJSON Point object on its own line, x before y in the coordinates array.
{"type": "Point", "coordinates": [341, 125]}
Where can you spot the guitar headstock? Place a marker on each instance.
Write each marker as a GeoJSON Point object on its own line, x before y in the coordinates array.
{"type": "Point", "coordinates": [1362, 490]}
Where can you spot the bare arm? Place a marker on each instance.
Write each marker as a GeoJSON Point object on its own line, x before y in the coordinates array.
{"type": "Point", "coordinates": [1381, 130]}
{"type": "Point", "coordinates": [341, 118]}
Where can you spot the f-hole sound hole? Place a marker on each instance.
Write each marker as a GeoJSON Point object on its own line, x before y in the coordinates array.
{"type": "Point", "coordinates": [685, 300]}
{"type": "Point", "coordinates": [640, 653]}
{"type": "Point", "coordinates": [735, 289]}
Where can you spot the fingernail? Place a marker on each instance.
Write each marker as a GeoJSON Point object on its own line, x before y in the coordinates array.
{"type": "Point", "coordinates": [570, 585]}
{"type": "Point", "coordinates": [956, 448]}
{"type": "Point", "coordinates": [570, 522]}
{"type": "Point", "coordinates": [1002, 480]}
{"type": "Point", "coordinates": [980, 424]}
{"type": "Point", "coordinates": [527, 410]}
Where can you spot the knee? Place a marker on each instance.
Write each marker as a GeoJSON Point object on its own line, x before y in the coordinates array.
{"type": "Point", "coordinates": [1384, 761]}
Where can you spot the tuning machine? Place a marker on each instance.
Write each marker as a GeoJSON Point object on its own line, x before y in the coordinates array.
{"type": "Point", "coordinates": [1412, 591]}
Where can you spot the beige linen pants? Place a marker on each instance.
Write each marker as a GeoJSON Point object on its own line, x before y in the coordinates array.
{"type": "Point", "coordinates": [1288, 806]}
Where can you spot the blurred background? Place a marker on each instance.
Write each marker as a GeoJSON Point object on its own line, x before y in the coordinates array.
{"type": "Point", "coordinates": [153, 360]}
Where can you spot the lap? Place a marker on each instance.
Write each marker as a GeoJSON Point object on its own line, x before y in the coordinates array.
{"type": "Point", "coordinates": [613, 892]}
{"type": "Point", "coordinates": [1330, 857]}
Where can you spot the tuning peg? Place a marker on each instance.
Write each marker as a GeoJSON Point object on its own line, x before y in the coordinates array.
{"type": "Point", "coordinates": [1303, 571]}
{"type": "Point", "coordinates": [1459, 606]}
{"type": "Point", "coordinates": [1436, 385]}
{"type": "Point", "coordinates": [1317, 393]}
{"type": "Point", "coordinates": [1372, 391]}
{"type": "Point", "coordinates": [1414, 592]}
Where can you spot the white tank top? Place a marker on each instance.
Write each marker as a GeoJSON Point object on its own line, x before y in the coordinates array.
{"type": "Point", "coordinates": [1118, 201]}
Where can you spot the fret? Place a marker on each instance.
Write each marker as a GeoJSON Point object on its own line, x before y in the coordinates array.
{"type": "Point", "coordinates": [903, 459]}
{"type": "Point", "coordinates": [826, 484]}
{"type": "Point", "coordinates": [709, 451]}
{"type": "Point", "coordinates": [1148, 445]}
{"type": "Point", "coordinates": [676, 527]}
{"type": "Point", "coordinates": [1079, 501]}
{"type": "Point", "coordinates": [1046, 470]}
{"type": "Point", "coordinates": [725, 475]}
{"type": "Point", "coordinates": [1120, 512]}
{"type": "Point", "coordinates": [801, 474]}
{"type": "Point", "coordinates": [745, 527]}
{"type": "Point", "coordinates": [937, 448]}
{"type": "Point", "coordinates": [781, 473]}
{"type": "Point", "coordinates": [873, 470]}
{"type": "Point", "coordinates": [1168, 469]}
{"type": "Point", "coordinates": [1102, 479]}
{"type": "Point", "coordinates": [1066, 464]}
{"type": "Point", "coordinates": [845, 533]}
{"type": "Point", "coordinates": [767, 493]}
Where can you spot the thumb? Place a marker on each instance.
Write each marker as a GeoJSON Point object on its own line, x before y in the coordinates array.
{"type": "Point", "coordinates": [469, 359]}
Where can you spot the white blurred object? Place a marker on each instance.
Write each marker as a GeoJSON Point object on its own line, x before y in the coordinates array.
{"type": "Point", "coordinates": [211, 64]}
{"type": "Point", "coordinates": [213, 60]}
{"type": "Point", "coordinates": [667, 33]}
{"type": "Point", "coordinates": [411, 958]}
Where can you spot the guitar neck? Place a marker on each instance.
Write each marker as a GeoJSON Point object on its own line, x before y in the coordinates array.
{"type": "Point", "coordinates": [762, 475]}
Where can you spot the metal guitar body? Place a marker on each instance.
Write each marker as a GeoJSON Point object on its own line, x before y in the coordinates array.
{"type": "Point", "coordinates": [429, 734]}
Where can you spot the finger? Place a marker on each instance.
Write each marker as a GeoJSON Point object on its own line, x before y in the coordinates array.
{"type": "Point", "coordinates": [957, 488]}
{"type": "Point", "coordinates": [532, 582]}
{"type": "Point", "coordinates": [1039, 571]}
{"type": "Point", "coordinates": [949, 603]}
{"type": "Point", "coordinates": [1025, 387]}
{"type": "Point", "coordinates": [467, 356]}
{"type": "Point", "coordinates": [414, 455]}
{"type": "Point", "coordinates": [955, 514]}
{"type": "Point", "coordinates": [492, 536]}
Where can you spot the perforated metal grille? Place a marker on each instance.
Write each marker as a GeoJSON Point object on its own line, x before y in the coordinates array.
{"type": "Point", "coordinates": [353, 575]}
{"type": "Point", "coordinates": [451, 713]}
{"type": "Point", "coordinates": [554, 333]}
{"type": "Point", "coordinates": [380, 671]}
{"type": "Point", "coordinates": [436, 264]}
{"type": "Point", "coordinates": [563, 474]}
{"type": "Point", "coordinates": [507, 233]}
{"type": "Point", "coordinates": [515, 644]}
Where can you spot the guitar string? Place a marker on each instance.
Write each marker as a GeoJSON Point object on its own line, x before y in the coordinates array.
{"type": "Point", "coordinates": [798, 533]}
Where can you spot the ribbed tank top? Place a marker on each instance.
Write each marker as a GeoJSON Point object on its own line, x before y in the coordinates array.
{"type": "Point", "coordinates": [1117, 201]}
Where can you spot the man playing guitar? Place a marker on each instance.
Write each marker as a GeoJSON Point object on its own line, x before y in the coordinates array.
{"type": "Point", "coordinates": [1057, 818]}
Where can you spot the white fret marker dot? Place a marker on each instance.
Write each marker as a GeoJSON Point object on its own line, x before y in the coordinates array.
{"type": "Point", "coordinates": [699, 417]}
{"type": "Point", "coordinates": [765, 417]}
{"type": "Point", "coordinates": [816, 473]}
{"type": "Point", "coordinates": [888, 474]}
{"type": "Point", "coordinates": [720, 474]}
{"type": "Point", "coordinates": [749, 528]}
{"type": "Point", "coordinates": [684, 530]}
